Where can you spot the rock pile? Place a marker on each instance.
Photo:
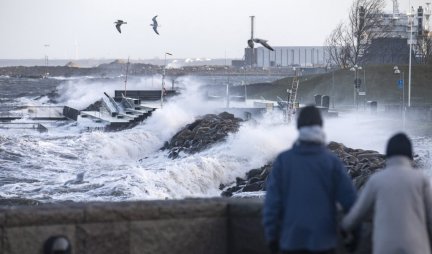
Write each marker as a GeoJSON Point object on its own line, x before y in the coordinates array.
{"type": "Point", "coordinates": [360, 165]}
{"type": "Point", "coordinates": [202, 133]}
{"type": "Point", "coordinates": [94, 107]}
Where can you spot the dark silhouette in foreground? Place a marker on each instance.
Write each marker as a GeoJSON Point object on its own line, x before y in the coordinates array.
{"type": "Point", "coordinates": [303, 188]}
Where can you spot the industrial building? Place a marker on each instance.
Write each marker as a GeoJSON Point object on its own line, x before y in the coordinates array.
{"type": "Point", "coordinates": [304, 56]}
{"type": "Point", "coordinates": [397, 32]}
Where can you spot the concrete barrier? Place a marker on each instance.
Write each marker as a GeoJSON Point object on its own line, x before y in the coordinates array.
{"type": "Point", "coordinates": [211, 226]}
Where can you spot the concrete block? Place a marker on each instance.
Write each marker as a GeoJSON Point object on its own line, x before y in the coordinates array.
{"type": "Point", "coordinates": [50, 215]}
{"type": "Point", "coordinates": [246, 235]}
{"type": "Point", "coordinates": [1, 239]}
{"type": "Point", "coordinates": [245, 208]}
{"type": "Point", "coordinates": [180, 236]}
{"type": "Point", "coordinates": [192, 208]}
{"type": "Point", "coordinates": [19, 240]}
{"type": "Point", "coordinates": [125, 211]}
{"type": "Point", "coordinates": [2, 218]}
{"type": "Point", "coordinates": [150, 210]}
{"type": "Point", "coordinates": [103, 238]}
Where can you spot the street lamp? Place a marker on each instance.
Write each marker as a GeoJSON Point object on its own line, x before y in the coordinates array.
{"type": "Point", "coordinates": [357, 82]}
{"type": "Point", "coordinates": [46, 60]}
{"type": "Point", "coordinates": [330, 68]}
{"type": "Point", "coordinates": [401, 82]}
{"type": "Point", "coordinates": [411, 20]}
{"type": "Point", "coordinates": [163, 79]}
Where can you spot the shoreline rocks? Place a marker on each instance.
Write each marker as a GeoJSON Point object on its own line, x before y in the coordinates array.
{"type": "Point", "coordinates": [202, 134]}
{"type": "Point", "coordinates": [360, 165]}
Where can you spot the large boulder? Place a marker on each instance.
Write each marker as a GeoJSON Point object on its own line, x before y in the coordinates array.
{"type": "Point", "coordinates": [202, 134]}
{"type": "Point", "coordinates": [360, 164]}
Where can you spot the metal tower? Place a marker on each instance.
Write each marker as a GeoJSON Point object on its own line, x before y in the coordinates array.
{"type": "Point", "coordinates": [427, 14]}
{"type": "Point", "coordinates": [395, 8]}
{"type": "Point", "coordinates": [251, 41]}
{"type": "Point", "coordinates": [252, 27]}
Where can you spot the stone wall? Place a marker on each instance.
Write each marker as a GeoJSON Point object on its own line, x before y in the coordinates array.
{"type": "Point", "coordinates": [211, 226]}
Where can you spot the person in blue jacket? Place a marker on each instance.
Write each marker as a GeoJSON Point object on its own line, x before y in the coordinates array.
{"type": "Point", "coordinates": [302, 192]}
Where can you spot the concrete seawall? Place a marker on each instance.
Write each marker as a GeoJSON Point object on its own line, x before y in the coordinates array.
{"type": "Point", "coordinates": [211, 226]}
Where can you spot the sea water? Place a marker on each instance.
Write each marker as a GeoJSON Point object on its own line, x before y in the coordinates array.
{"type": "Point", "coordinates": [130, 165]}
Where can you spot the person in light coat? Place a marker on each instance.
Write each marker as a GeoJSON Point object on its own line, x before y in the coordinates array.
{"type": "Point", "coordinates": [401, 202]}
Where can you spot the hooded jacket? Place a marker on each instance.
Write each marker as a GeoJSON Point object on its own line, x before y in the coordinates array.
{"type": "Point", "coordinates": [401, 201]}
{"type": "Point", "coordinates": [303, 188]}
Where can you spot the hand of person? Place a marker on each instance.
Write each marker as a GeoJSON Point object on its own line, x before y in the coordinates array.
{"type": "Point", "coordinates": [350, 240]}
{"type": "Point", "coordinates": [273, 246]}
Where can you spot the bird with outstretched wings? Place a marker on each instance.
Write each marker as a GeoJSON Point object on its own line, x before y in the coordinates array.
{"type": "Point", "coordinates": [260, 41]}
{"type": "Point", "coordinates": [155, 25]}
{"type": "Point", "coordinates": [118, 24]}
{"type": "Point", "coordinates": [264, 43]}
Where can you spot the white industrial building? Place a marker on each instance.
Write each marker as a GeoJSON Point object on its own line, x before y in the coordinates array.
{"type": "Point", "coordinates": [304, 56]}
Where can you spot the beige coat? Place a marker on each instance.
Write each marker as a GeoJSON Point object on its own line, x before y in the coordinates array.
{"type": "Point", "coordinates": [401, 202]}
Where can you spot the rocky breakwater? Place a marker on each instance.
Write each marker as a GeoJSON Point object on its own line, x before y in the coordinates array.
{"type": "Point", "coordinates": [360, 164]}
{"type": "Point", "coordinates": [202, 133]}
{"type": "Point", "coordinates": [210, 129]}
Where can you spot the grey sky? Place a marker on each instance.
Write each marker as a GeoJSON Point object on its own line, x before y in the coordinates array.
{"type": "Point", "coordinates": [190, 28]}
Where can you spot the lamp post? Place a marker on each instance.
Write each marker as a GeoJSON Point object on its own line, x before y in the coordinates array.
{"type": "Point", "coordinates": [330, 68]}
{"type": "Point", "coordinates": [401, 82]}
{"type": "Point", "coordinates": [411, 20]}
{"type": "Point", "coordinates": [365, 87]}
{"type": "Point", "coordinates": [357, 83]}
{"type": "Point", "coordinates": [46, 60]}
{"type": "Point", "coordinates": [163, 79]}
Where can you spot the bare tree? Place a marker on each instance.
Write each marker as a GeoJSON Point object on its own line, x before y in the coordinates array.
{"type": "Point", "coordinates": [337, 47]}
{"type": "Point", "coordinates": [424, 48]}
{"type": "Point", "coordinates": [365, 23]}
{"type": "Point", "coordinates": [350, 40]}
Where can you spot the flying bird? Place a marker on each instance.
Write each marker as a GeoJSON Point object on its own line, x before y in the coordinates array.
{"type": "Point", "coordinates": [118, 24]}
{"type": "Point", "coordinates": [155, 24]}
{"type": "Point", "coordinates": [260, 41]}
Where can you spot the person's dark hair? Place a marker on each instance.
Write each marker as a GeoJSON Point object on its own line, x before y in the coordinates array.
{"type": "Point", "coordinates": [57, 245]}
{"type": "Point", "coordinates": [309, 116]}
{"type": "Point", "coordinates": [399, 144]}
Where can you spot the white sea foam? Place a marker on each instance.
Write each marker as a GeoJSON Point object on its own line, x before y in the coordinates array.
{"type": "Point", "coordinates": [129, 165]}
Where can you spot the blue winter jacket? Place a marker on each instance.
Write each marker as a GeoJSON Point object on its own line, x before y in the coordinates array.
{"type": "Point", "coordinates": [303, 188]}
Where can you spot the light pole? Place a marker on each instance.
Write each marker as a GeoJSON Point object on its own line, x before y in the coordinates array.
{"type": "Point", "coordinates": [365, 87]}
{"type": "Point", "coordinates": [46, 60]}
{"type": "Point", "coordinates": [401, 82]}
{"type": "Point", "coordinates": [411, 20]}
{"type": "Point", "coordinates": [357, 83]}
{"type": "Point", "coordinates": [330, 68]}
{"type": "Point", "coordinates": [163, 79]}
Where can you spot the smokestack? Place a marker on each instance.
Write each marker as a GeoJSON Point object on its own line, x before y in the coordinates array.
{"type": "Point", "coordinates": [252, 26]}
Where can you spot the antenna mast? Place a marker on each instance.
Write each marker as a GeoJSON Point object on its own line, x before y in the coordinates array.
{"type": "Point", "coordinates": [127, 70]}
{"type": "Point", "coordinates": [252, 26]}
{"type": "Point", "coordinates": [395, 8]}
{"type": "Point", "coordinates": [427, 14]}
{"type": "Point", "coordinates": [252, 37]}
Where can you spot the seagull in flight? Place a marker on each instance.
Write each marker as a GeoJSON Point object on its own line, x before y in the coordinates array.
{"type": "Point", "coordinates": [155, 24]}
{"type": "Point", "coordinates": [260, 41]}
{"type": "Point", "coordinates": [118, 24]}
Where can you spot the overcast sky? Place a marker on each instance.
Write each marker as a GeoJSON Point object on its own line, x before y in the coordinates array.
{"type": "Point", "coordinates": [190, 28]}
